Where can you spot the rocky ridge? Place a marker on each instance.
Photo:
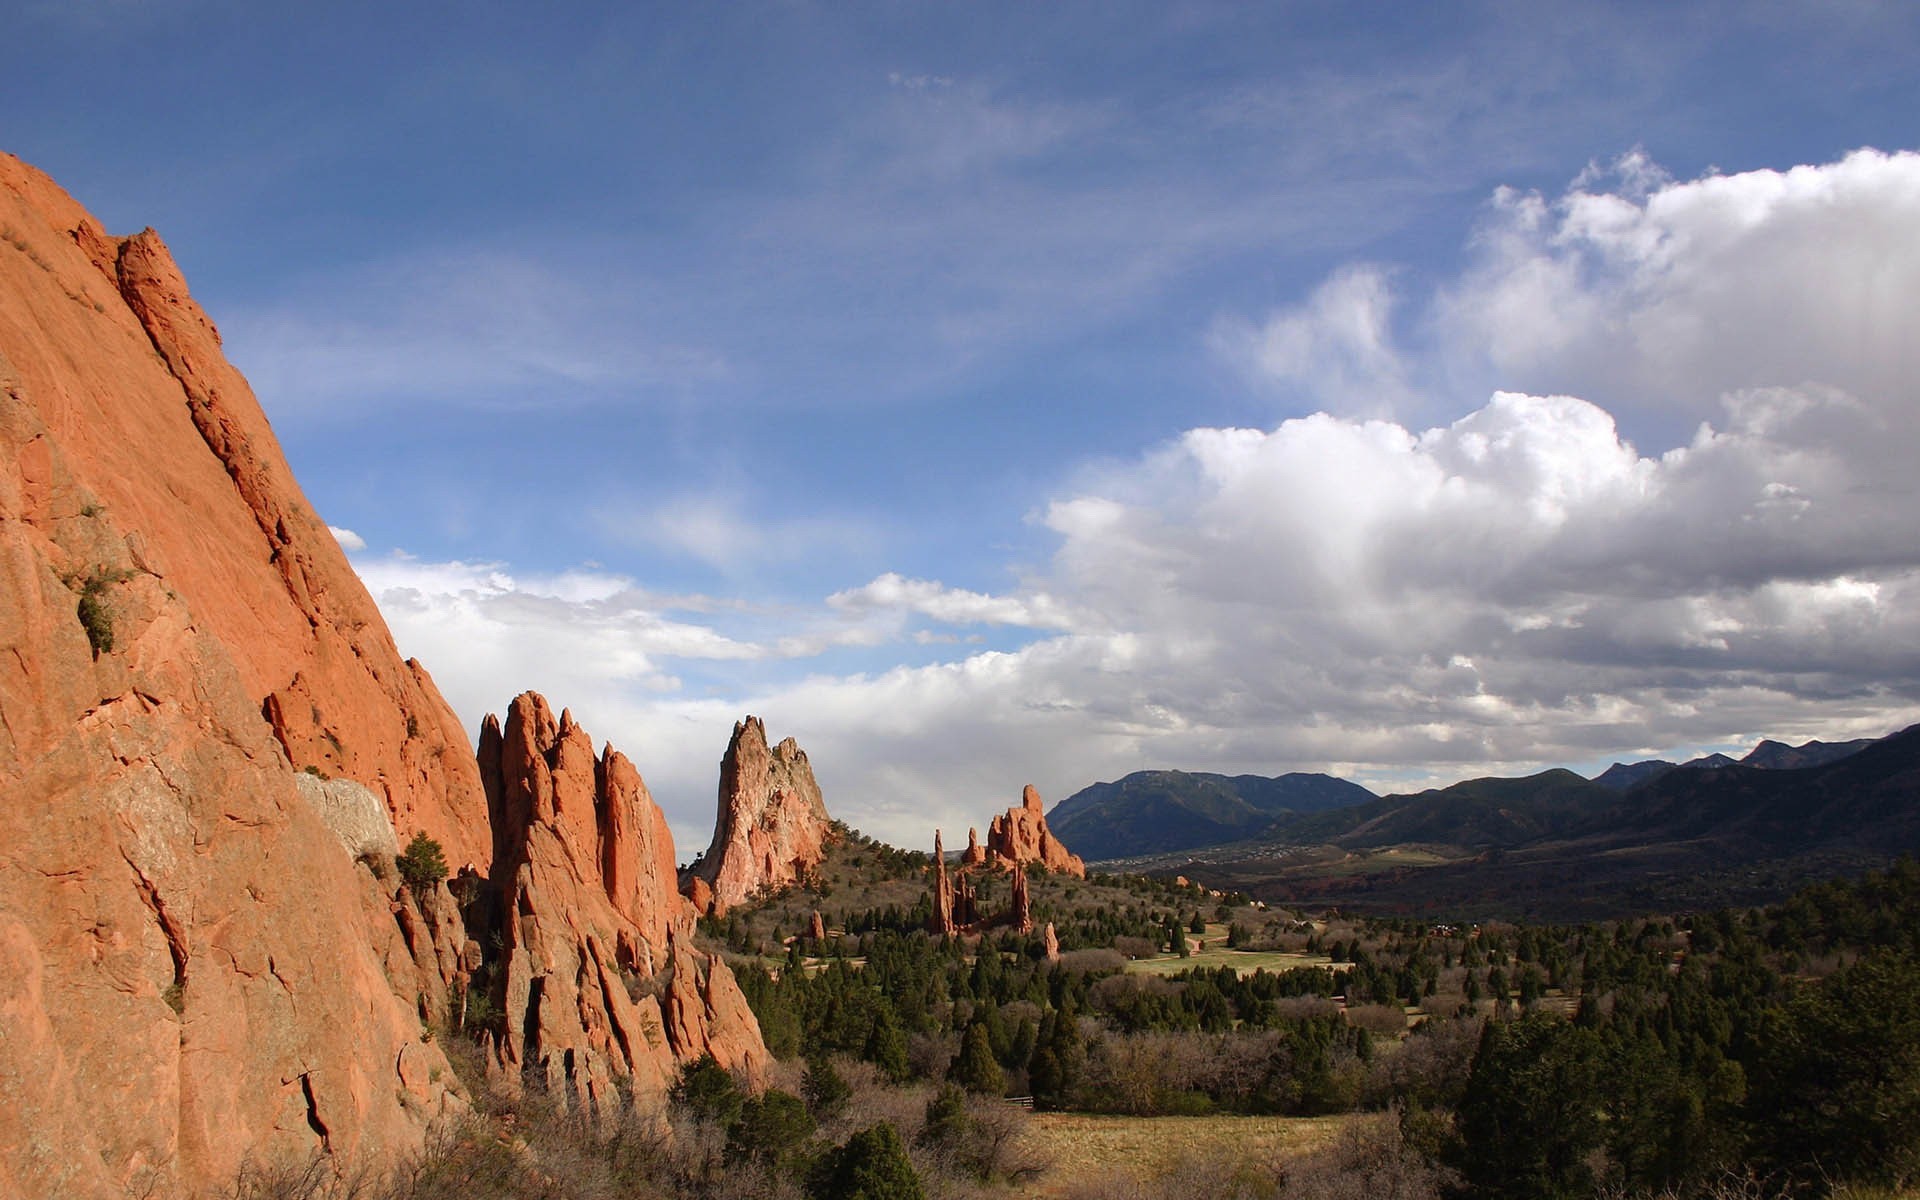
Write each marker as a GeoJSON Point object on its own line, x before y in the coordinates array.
{"type": "Point", "coordinates": [187, 940]}
{"type": "Point", "coordinates": [598, 979]}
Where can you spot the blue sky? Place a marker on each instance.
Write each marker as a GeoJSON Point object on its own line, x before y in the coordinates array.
{"type": "Point", "coordinates": [993, 394]}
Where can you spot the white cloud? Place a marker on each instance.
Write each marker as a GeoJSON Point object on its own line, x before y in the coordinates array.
{"type": "Point", "coordinates": [893, 592]}
{"type": "Point", "coordinates": [348, 539]}
{"type": "Point", "coordinates": [1661, 296]}
{"type": "Point", "coordinates": [1520, 585]}
{"type": "Point", "coordinates": [1339, 345]}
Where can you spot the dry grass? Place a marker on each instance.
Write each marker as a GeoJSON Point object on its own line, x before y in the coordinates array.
{"type": "Point", "coordinates": [1080, 1146]}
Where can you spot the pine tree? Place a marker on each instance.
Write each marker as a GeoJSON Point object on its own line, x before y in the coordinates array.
{"type": "Point", "coordinates": [976, 1069]}
{"type": "Point", "coordinates": [886, 1048]}
{"type": "Point", "coordinates": [873, 1165]}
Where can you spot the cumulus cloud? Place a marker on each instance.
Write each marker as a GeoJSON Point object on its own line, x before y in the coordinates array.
{"type": "Point", "coordinates": [1659, 295]}
{"type": "Point", "coordinates": [348, 539]}
{"type": "Point", "coordinates": [1522, 584]}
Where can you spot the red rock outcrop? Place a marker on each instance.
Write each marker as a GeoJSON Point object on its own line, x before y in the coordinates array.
{"type": "Point", "coordinates": [1020, 915]}
{"type": "Point", "coordinates": [976, 855]}
{"type": "Point", "coordinates": [598, 979]}
{"type": "Point", "coordinates": [1050, 942]}
{"type": "Point", "coordinates": [772, 826]}
{"type": "Point", "coordinates": [127, 373]}
{"type": "Point", "coordinates": [1020, 835]}
{"type": "Point", "coordinates": [817, 927]}
{"type": "Point", "coordinates": [194, 968]}
{"type": "Point", "coordinates": [942, 920]}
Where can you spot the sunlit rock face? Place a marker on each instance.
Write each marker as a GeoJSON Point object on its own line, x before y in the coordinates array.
{"type": "Point", "coordinates": [198, 962]}
{"type": "Point", "coordinates": [772, 826]}
{"type": "Point", "coordinates": [598, 978]}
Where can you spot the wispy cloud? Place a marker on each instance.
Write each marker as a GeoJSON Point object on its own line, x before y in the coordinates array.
{"type": "Point", "coordinates": [502, 330]}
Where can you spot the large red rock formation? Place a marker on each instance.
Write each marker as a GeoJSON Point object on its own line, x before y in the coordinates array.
{"type": "Point", "coordinates": [772, 826]}
{"type": "Point", "coordinates": [1020, 835]}
{"type": "Point", "coordinates": [194, 968]}
{"type": "Point", "coordinates": [127, 374]}
{"type": "Point", "coordinates": [598, 977]}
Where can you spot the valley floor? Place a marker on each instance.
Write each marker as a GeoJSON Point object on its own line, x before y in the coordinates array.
{"type": "Point", "coordinates": [1083, 1149]}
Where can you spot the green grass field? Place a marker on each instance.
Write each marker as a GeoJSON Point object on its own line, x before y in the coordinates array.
{"type": "Point", "coordinates": [1244, 962]}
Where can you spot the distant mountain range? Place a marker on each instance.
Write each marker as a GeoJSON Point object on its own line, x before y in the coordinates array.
{"type": "Point", "coordinates": [1151, 813]}
{"type": "Point", "coordinates": [1769, 754]}
{"type": "Point", "coordinates": [1157, 812]}
{"type": "Point", "coordinates": [1557, 846]}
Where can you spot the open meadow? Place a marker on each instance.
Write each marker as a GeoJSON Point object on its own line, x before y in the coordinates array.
{"type": "Point", "coordinates": [1083, 1149]}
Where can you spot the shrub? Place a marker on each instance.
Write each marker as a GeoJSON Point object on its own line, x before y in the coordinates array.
{"type": "Point", "coordinates": [95, 615]}
{"type": "Point", "coordinates": [824, 1090]}
{"type": "Point", "coordinates": [422, 866]}
{"type": "Point", "coordinates": [709, 1092]}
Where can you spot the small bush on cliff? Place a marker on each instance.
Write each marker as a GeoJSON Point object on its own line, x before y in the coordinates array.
{"type": "Point", "coordinates": [422, 866]}
{"type": "Point", "coordinates": [95, 617]}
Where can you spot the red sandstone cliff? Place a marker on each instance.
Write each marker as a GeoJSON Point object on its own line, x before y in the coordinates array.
{"type": "Point", "coordinates": [207, 741]}
{"type": "Point", "coordinates": [194, 968]}
{"type": "Point", "coordinates": [772, 826]}
{"type": "Point", "coordinates": [127, 374]}
{"type": "Point", "coordinates": [1020, 835]}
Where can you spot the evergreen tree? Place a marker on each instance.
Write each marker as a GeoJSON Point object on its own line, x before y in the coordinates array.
{"type": "Point", "coordinates": [773, 1127]}
{"type": "Point", "coordinates": [873, 1165]}
{"type": "Point", "coordinates": [886, 1047]}
{"type": "Point", "coordinates": [1839, 1085]}
{"type": "Point", "coordinates": [976, 1069]}
{"type": "Point", "coordinates": [826, 1093]}
{"type": "Point", "coordinates": [709, 1091]}
{"type": "Point", "coordinates": [1528, 1118]}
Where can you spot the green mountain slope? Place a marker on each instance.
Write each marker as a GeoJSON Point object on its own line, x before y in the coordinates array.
{"type": "Point", "coordinates": [1154, 812]}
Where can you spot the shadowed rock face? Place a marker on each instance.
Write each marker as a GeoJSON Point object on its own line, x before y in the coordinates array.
{"type": "Point", "coordinates": [193, 967]}
{"type": "Point", "coordinates": [772, 827]}
{"type": "Point", "coordinates": [598, 977]}
{"type": "Point", "coordinates": [1020, 835]}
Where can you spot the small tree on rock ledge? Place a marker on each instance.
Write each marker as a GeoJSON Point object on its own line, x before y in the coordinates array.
{"type": "Point", "coordinates": [422, 866]}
